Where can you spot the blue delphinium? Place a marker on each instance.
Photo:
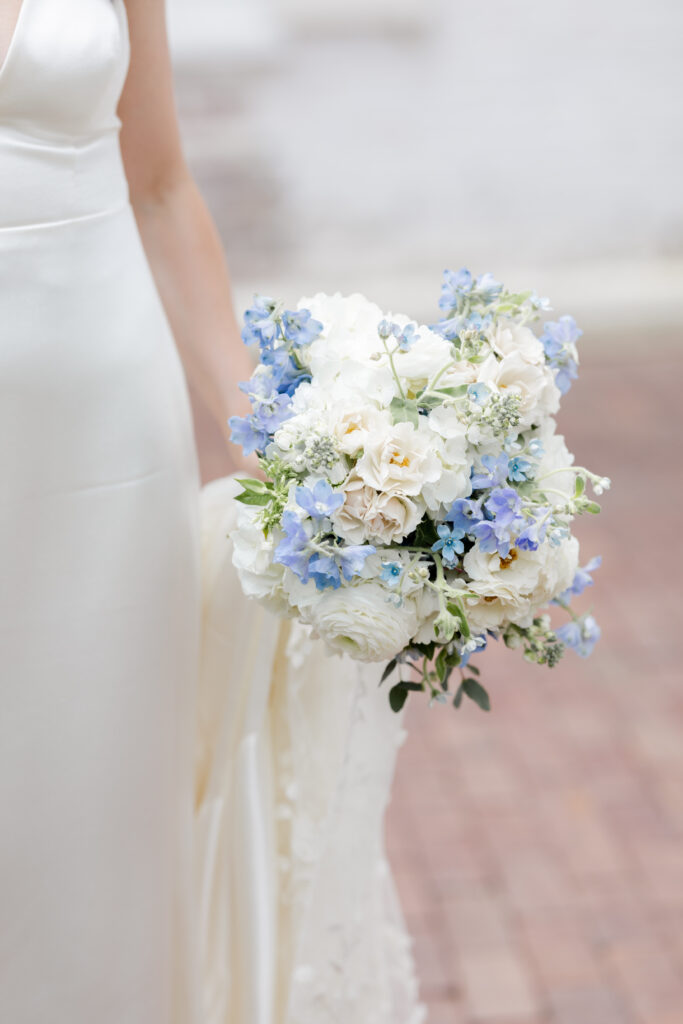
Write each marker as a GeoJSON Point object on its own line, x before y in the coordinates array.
{"type": "Point", "coordinates": [533, 533]}
{"type": "Point", "coordinates": [299, 327]}
{"type": "Point", "coordinates": [324, 571]}
{"type": "Point", "coordinates": [559, 339]}
{"type": "Point", "coordinates": [259, 322]}
{"type": "Point", "coordinates": [294, 548]}
{"type": "Point", "coordinates": [248, 432]}
{"type": "Point", "coordinates": [450, 543]}
{"type": "Point", "coordinates": [455, 284]}
{"type": "Point", "coordinates": [463, 514]}
{"type": "Point", "coordinates": [320, 500]}
{"type": "Point", "coordinates": [581, 635]}
{"type": "Point", "coordinates": [352, 558]}
{"type": "Point", "coordinates": [494, 472]}
{"type": "Point", "coordinates": [582, 579]}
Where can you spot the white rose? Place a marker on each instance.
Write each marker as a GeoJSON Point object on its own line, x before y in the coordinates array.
{"type": "Point", "coordinates": [363, 622]}
{"type": "Point", "coordinates": [381, 518]}
{"type": "Point", "coordinates": [400, 459]}
{"type": "Point", "coordinates": [556, 456]}
{"type": "Point", "coordinates": [252, 556]}
{"type": "Point", "coordinates": [506, 338]}
{"type": "Point", "coordinates": [354, 426]}
{"type": "Point", "coordinates": [513, 589]}
{"type": "Point", "coordinates": [535, 386]}
{"type": "Point", "coordinates": [429, 354]}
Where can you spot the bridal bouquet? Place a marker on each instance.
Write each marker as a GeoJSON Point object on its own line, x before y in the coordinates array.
{"type": "Point", "coordinates": [418, 499]}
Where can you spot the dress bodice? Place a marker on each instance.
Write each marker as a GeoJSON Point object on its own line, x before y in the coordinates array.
{"type": "Point", "coordinates": [60, 83]}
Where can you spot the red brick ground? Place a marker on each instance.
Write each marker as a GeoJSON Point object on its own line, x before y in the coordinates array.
{"type": "Point", "coordinates": [539, 849]}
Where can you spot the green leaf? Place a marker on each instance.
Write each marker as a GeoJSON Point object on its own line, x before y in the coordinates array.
{"type": "Point", "coordinates": [457, 392]}
{"type": "Point", "coordinates": [252, 484]}
{"type": "Point", "coordinates": [398, 695]}
{"type": "Point", "coordinates": [457, 700]}
{"type": "Point", "coordinates": [404, 410]}
{"type": "Point", "coordinates": [476, 692]}
{"type": "Point", "coordinates": [456, 610]}
{"type": "Point", "coordinates": [388, 670]}
{"type": "Point", "coordinates": [579, 487]}
{"type": "Point", "coordinates": [252, 498]}
{"type": "Point", "coordinates": [593, 508]}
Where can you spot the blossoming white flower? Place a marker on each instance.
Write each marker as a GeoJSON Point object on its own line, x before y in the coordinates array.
{"type": "Point", "coordinates": [400, 459]}
{"type": "Point", "coordinates": [252, 556]}
{"type": "Point", "coordinates": [375, 516]}
{"type": "Point", "coordinates": [511, 589]}
{"type": "Point", "coordinates": [354, 426]}
{"type": "Point", "coordinates": [506, 338]}
{"type": "Point", "coordinates": [535, 385]}
{"type": "Point", "coordinates": [363, 622]}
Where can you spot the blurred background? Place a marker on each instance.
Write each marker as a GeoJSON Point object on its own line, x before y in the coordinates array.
{"type": "Point", "coordinates": [366, 145]}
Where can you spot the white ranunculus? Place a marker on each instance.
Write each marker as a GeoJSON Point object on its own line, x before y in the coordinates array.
{"type": "Point", "coordinates": [371, 515]}
{"type": "Point", "coordinates": [400, 459]}
{"type": "Point", "coordinates": [535, 386]}
{"type": "Point", "coordinates": [252, 556]}
{"type": "Point", "coordinates": [511, 590]}
{"type": "Point", "coordinates": [508, 337]}
{"type": "Point", "coordinates": [362, 621]}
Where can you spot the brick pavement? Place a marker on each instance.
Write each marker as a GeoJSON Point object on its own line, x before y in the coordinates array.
{"type": "Point", "coordinates": [539, 849]}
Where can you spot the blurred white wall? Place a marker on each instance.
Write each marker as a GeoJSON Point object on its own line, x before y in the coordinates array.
{"type": "Point", "coordinates": [542, 141]}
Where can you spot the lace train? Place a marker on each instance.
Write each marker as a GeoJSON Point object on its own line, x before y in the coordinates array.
{"type": "Point", "coordinates": [299, 919]}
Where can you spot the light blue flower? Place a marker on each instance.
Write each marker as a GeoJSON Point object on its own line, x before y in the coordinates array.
{"type": "Point", "coordinates": [520, 469]}
{"type": "Point", "coordinates": [535, 448]}
{"type": "Point", "coordinates": [325, 572]}
{"type": "Point", "coordinates": [299, 327]}
{"type": "Point", "coordinates": [491, 538]}
{"type": "Point", "coordinates": [259, 324]}
{"type": "Point", "coordinates": [581, 635]}
{"type": "Point", "coordinates": [454, 285]}
{"type": "Point", "coordinates": [320, 500]}
{"type": "Point", "coordinates": [504, 504]}
{"type": "Point", "coordinates": [534, 532]}
{"type": "Point", "coordinates": [391, 573]}
{"type": "Point", "coordinates": [559, 340]}
{"type": "Point", "coordinates": [478, 392]}
{"type": "Point", "coordinates": [293, 550]}
{"type": "Point", "coordinates": [494, 472]}
{"type": "Point", "coordinates": [450, 544]}
{"type": "Point", "coordinates": [352, 559]}
{"type": "Point", "coordinates": [407, 338]}
{"type": "Point", "coordinates": [463, 514]}
{"type": "Point", "coordinates": [248, 432]}
{"type": "Point", "coordinates": [487, 287]}
{"type": "Point", "coordinates": [582, 579]}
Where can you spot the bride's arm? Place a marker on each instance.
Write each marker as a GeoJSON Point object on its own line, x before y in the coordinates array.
{"type": "Point", "coordinates": [179, 237]}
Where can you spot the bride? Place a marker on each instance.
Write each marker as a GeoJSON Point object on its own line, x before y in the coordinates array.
{"type": "Point", "coordinates": [151, 872]}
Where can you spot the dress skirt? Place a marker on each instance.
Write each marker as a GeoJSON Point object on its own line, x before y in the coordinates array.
{"type": "Point", "coordinates": [99, 633]}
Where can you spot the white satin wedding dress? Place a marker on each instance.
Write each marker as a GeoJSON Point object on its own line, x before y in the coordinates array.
{"type": "Point", "coordinates": [149, 875]}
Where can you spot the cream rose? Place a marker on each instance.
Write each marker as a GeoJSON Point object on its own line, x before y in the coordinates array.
{"type": "Point", "coordinates": [381, 518]}
{"type": "Point", "coordinates": [512, 589]}
{"type": "Point", "coordinates": [508, 338]}
{"type": "Point", "coordinates": [363, 622]}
